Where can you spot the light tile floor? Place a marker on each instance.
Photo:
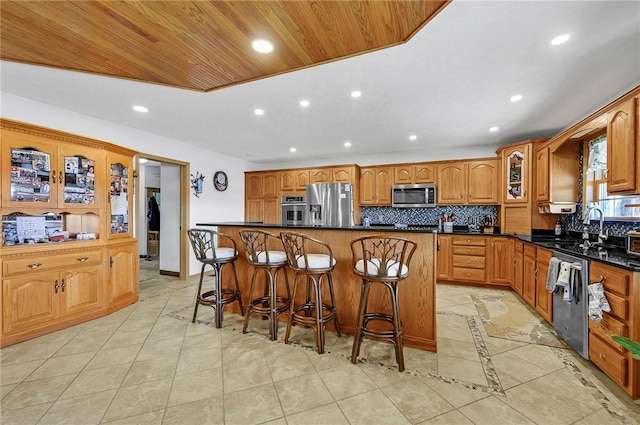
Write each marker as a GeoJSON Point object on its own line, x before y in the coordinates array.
{"type": "Point", "coordinates": [148, 364]}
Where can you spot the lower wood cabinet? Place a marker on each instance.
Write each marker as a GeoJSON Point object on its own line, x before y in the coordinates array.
{"type": "Point", "coordinates": [47, 291]}
{"type": "Point", "coordinates": [469, 258]}
{"type": "Point", "coordinates": [622, 289]}
{"type": "Point", "coordinates": [123, 275]}
{"type": "Point", "coordinates": [535, 266]}
{"type": "Point", "coordinates": [500, 264]}
{"type": "Point", "coordinates": [444, 257]}
{"type": "Point", "coordinates": [42, 293]}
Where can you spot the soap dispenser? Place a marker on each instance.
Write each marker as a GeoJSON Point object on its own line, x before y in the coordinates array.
{"type": "Point", "coordinates": [558, 230]}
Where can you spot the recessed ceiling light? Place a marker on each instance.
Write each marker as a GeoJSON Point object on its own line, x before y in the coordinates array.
{"type": "Point", "coordinates": [262, 46]}
{"type": "Point", "coordinates": [356, 93]}
{"type": "Point", "coordinates": [493, 129]}
{"type": "Point", "coordinates": [259, 112]}
{"type": "Point", "coordinates": [347, 144]}
{"type": "Point", "coordinates": [560, 39]}
{"type": "Point", "coordinates": [515, 98]}
{"type": "Point", "coordinates": [304, 103]}
{"type": "Point", "coordinates": [140, 108]}
{"type": "Point", "coordinates": [292, 149]}
{"type": "Point", "coordinates": [413, 137]}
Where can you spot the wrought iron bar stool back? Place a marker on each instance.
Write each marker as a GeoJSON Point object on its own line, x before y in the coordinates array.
{"type": "Point", "coordinates": [382, 260]}
{"type": "Point", "coordinates": [268, 305]}
{"type": "Point", "coordinates": [313, 261]}
{"type": "Point", "coordinates": [203, 242]}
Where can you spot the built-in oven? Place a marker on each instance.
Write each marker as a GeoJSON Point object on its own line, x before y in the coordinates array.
{"type": "Point", "coordinates": [293, 210]}
{"type": "Point", "coordinates": [570, 310]}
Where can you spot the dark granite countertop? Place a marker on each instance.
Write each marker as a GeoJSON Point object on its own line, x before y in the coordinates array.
{"type": "Point", "coordinates": [614, 255]}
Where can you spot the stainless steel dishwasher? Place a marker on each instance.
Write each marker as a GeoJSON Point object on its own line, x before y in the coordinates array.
{"type": "Point", "coordinates": [570, 318]}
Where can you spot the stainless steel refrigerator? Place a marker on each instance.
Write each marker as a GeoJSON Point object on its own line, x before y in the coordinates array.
{"type": "Point", "coordinates": [330, 204]}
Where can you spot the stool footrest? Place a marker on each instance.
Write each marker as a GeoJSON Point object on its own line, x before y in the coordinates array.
{"type": "Point", "coordinates": [210, 298]}
{"type": "Point", "coordinates": [261, 305]}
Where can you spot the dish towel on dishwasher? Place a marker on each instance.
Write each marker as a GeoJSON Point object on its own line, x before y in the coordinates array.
{"type": "Point", "coordinates": [552, 274]}
{"type": "Point", "coordinates": [564, 275]}
{"type": "Point", "coordinates": [569, 289]}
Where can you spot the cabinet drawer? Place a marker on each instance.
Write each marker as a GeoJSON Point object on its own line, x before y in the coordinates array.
{"type": "Point", "coordinates": [469, 250]}
{"type": "Point", "coordinates": [609, 360]}
{"type": "Point", "coordinates": [467, 261]}
{"type": "Point", "coordinates": [465, 274]}
{"type": "Point", "coordinates": [609, 326]}
{"type": "Point", "coordinates": [619, 306]}
{"type": "Point", "coordinates": [467, 240]}
{"type": "Point", "coordinates": [530, 250]}
{"type": "Point", "coordinates": [16, 266]}
{"type": "Point", "coordinates": [615, 280]}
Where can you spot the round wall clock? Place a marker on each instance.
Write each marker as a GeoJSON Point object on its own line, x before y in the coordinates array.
{"type": "Point", "coordinates": [220, 180]}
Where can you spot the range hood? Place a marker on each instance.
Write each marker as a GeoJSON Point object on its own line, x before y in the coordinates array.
{"type": "Point", "coordinates": [557, 208]}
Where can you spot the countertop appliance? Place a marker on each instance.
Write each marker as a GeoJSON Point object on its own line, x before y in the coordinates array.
{"type": "Point", "coordinates": [633, 242]}
{"type": "Point", "coordinates": [293, 209]}
{"type": "Point", "coordinates": [413, 195]}
{"type": "Point", "coordinates": [330, 204]}
{"type": "Point", "coordinates": [570, 318]}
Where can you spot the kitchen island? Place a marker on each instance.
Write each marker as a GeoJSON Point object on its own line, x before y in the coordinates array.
{"type": "Point", "coordinates": [416, 292]}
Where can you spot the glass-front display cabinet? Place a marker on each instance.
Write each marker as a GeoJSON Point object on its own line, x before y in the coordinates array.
{"type": "Point", "coordinates": [120, 201]}
{"type": "Point", "coordinates": [516, 175]}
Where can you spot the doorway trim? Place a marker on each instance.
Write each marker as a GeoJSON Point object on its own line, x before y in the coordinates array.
{"type": "Point", "coordinates": [184, 206]}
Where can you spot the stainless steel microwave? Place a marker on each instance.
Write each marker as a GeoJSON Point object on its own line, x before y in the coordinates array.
{"type": "Point", "coordinates": [633, 242]}
{"type": "Point", "coordinates": [413, 195]}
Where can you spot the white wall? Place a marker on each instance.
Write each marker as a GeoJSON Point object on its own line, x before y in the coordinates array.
{"type": "Point", "coordinates": [211, 206]}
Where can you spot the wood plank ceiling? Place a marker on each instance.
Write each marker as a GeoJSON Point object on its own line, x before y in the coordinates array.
{"type": "Point", "coordinates": [202, 45]}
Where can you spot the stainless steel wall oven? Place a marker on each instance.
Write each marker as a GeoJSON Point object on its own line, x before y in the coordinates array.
{"type": "Point", "coordinates": [293, 210]}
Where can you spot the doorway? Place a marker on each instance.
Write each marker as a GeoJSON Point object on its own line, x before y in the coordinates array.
{"type": "Point", "coordinates": [168, 247]}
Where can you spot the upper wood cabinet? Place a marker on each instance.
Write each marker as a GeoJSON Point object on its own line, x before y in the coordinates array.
{"type": "Point", "coordinates": [542, 174]}
{"type": "Point", "coordinates": [375, 186]}
{"type": "Point", "coordinates": [483, 182]}
{"type": "Point", "coordinates": [516, 162]}
{"type": "Point", "coordinates": [345, 174]}
{"type": "Point", "coordinates": [262, 184]}
{"type": "Point", "coordinates": [321, 175]}
{"type": "Point", "coordinates": [622, 145]}
{"type": "Point", "coordinates": [468, 182]}
{"type": "Point", "coordinates": [451, 185]}
{"type": "Point", "coordinates": [294, 180]}
{"type": "Point", "coordinates": [414, 173]}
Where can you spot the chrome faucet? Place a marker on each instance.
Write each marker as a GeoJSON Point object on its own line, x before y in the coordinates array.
{"type": "Point", "coordinates": [602, 234]}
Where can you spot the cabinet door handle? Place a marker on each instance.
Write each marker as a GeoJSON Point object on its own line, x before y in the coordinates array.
{"type": "Point", "coordinates": [53, 175]}
{"type": "Point", "coordinates": [110, 261]}
{"type": "Point", "coordinates": [55, 287]}
{"type": "Point", "coordinates": [63, 284]}
{"type": "Point", "coordinates": [34, 265]}
{"type": "Point", "coordinates": [60, 178]}
{"type": "Point", "coordinates": [82, 259]}
{"type": "Point", "coordinates": [514, 260]}
{"type": "Point", "coordinates": [602, 356]}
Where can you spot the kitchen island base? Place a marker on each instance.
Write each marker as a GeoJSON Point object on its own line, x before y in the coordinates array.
{"type": "Point", "coordinates": [416, 292]}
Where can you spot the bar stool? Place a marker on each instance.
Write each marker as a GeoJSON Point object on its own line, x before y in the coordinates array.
{"type": "Point", "coordinates": [204, 247]}
{"type": "Point", "coordinates": [383, 260]}
{"type": "Point", "coordinates": [269, 305]}
{"type": "Point", "coordinates": [314, 261]}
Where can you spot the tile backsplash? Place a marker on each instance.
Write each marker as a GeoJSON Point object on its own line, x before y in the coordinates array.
{"type": "Point", "coordinates": [429, 216]}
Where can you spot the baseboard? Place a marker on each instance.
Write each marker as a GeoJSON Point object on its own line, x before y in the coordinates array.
{"type": "Point", "coordinates": [169, 273]}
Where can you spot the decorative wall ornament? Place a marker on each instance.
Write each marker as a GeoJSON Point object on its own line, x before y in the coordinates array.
{"type": "Point", "coordinates": [196, 183]}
